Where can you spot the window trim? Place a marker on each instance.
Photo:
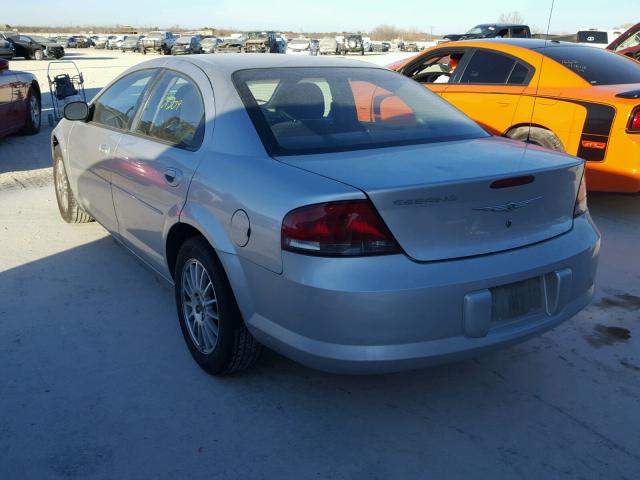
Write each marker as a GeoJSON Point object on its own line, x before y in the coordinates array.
{"type": "Point", "coordinates": [136, 119]}
{"type": "Point", "coordinates": [150, 85]}
{"type": "Point", "coordinates": [461, 71]}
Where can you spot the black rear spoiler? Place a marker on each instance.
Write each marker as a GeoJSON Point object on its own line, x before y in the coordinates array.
{"type": "Point", "coordinates": [632, 94]}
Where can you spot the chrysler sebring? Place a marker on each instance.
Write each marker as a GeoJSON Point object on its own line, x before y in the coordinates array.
{"type": "Point", "coordinates": [336, 212]}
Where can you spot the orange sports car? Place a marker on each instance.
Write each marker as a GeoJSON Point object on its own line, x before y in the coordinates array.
{"type": "Point", "coordinates": [564, 96]}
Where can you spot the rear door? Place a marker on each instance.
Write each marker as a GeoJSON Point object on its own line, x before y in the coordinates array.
{"type": "Point", "coordinates": [157, 159]}
{"type": "Point", "coordinates": [93, 144]}
{"type": "Point", "coordinates": [488, 88]}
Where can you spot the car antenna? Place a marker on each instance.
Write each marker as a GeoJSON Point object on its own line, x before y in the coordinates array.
{"type": "Point", "coordinates": [535, 96]}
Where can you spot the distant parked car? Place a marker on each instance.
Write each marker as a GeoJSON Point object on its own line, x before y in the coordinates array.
{"type": "Point", "coordinates": [329, 46]}
{"type": "Point", "coordinates": [6, 49]}
{"type": "Point", "coordinates": [231, 45]}
{"type": "Point", "coordinates": [492, 30]}
{"type": "Point", "coordinates": [353, 44]}
{"type": "Point", "coordinates": [131, 43]}
{"type": "Point", "coordinates": [261, 42]}
{"type": "Point", "coordinates": [187, 45]}
{"type": "Point", "coordinates": [19, 101]}
{"type": "Point", "coordinates": [101, 42]}
{"type": "Point", "coordinates": [36, 47]}
{"type": "Point", "coordinates": [628, 43]}
{"type": "Point", "coordinates": [380, 47]}
{"type": "Point", "coordinates": [68, 42]}
{"type": "Point", "coordinates": [298, 45]}
{"type": "Point", "coordinates": [210, 44]}
{"type": "Point", "coordinates": [160, 42]}
{"type": "Point", "coordinates": [314, 47]}
{"type": "Point", "coordinates": [112, 43]}
{"type": "Point", "coordinates": [83, 42]}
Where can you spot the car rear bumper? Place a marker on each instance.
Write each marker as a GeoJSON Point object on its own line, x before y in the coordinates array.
{"type": "Point", "coordinates": [388, 313]}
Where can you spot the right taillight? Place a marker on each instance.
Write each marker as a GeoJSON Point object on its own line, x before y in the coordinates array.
{"type": "Point", "coordinates": [634, 122]}
{"type": "Point", "coordinates": [337, 229]}
{"type": "Point", "coordinates": [581, 200]}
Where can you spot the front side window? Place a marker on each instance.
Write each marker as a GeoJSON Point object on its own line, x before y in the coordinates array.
{"type": "Point", "coordinates": [118, 104]}
{"type": "Point", "coordinates": [596, 66]}
{"type": "Point", "coordinates": [438, 68]}
{"type": "Point", "coordinates": [491, 68]}
{"type": "Point", "coordinates": [314, 110]}
{"type": "Point", "coordinates": [174, 113]}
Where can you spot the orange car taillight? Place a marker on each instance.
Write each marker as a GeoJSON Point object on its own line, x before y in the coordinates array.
{"type": "Point", "coordinates": [337, 229]}
{"type": "Point", "coordinates": [580, 207]}
{"type": "Point", "coordinates": [634, 121]}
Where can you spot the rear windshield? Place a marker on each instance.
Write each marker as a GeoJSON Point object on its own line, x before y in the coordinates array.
{"type": "Point", "coordinates": [596, 66]}
{"type": "Point", "coordinates": [314, 110]}
{"type": "Point", "coordinates": [590, 36]}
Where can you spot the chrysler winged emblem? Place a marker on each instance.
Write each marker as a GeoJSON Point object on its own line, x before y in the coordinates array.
{"type": "Point", "coordinates": [509, 206]}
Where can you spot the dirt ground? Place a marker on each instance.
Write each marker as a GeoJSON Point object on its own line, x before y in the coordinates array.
{"type": "Point", "coordinates": [96, 382]}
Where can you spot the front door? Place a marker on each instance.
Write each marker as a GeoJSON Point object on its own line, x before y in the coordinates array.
{"type": "Point", "coordinates": [94, 143]}
{"type": "Point", "coordinates": [155, 163]}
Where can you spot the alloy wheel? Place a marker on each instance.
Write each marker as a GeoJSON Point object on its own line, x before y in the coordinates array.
{"type": "Point", "coordinates": [62, 185]}
{"type": "Point", "coordinates": [200, 306]}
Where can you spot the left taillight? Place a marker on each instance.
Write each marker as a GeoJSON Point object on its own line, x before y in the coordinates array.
{"type": "Point", "coordinates": [634, 121]}
{"type": "Point", "coordinates": [337, 229]}
{"type": "Point", "coordinates": [581, 200]}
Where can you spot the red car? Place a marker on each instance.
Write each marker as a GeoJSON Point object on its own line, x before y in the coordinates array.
{"type": "Point", "coordinates": [19, 101]}
{"type": "Point", "coordinates": [628, 43]}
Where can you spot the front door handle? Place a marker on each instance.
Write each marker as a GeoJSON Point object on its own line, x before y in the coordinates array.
{"type": "Point", "coordinates": [172, 176]}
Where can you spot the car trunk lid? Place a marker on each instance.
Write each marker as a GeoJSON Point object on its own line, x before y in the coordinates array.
{"type": "Point", "coordinates": [448, 200]}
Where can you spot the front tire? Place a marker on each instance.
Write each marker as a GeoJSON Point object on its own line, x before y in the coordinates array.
{"type": "Point", "coordinates": [38, 55]}
{"type": "Point", "coordinates": [209, 316]}
{"type": "Point", "coordinates": [69, 209]}
{"type": "Point", "coordinates": [34, 114]}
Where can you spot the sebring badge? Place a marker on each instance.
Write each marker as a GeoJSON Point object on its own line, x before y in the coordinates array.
{"type": "Point", "coordinates": [508, 207]}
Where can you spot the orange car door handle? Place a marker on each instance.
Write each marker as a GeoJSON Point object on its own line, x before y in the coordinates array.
{"type": "Point", "coordinates": [504, 104]}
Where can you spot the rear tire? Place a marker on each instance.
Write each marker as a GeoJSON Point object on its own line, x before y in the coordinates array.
{"type": "Point", "coordinates": [537, 136]}
{"type": "Point", "coordinates": [209, 316]}
{"type": "Point", "coordinates": [69, 209]}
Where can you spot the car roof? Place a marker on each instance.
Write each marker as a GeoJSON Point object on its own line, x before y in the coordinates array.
{"type": "Point", "coordinates": [528, 43]}
{"type": "Point", "coordinates": [233, 63]}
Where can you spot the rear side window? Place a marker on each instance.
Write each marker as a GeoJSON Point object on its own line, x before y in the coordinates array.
{"type": "Point", "coordinates": [315, 110]}
{"type": "Point", "coordinates": [494, 68]}
{"type": "Point", "coordinates": [174, 112]}
{"type": "Point", "coordinates": [596, 66]}
{"type": "Point", "coordinates": [118, 104]}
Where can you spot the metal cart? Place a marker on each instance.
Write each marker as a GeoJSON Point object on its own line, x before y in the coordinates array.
{"type": "Point", "coordinates": [64, 87]}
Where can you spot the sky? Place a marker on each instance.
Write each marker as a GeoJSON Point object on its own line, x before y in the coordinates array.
{"type": "Point", "coordinates": [454, 16]}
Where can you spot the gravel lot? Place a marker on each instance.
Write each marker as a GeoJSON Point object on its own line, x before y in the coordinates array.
{"type": "Point", "coordinates": [96, 382]}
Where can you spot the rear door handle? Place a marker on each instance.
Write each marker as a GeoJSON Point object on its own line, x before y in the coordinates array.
{"type": "Point", "coordinates": [172, 176]}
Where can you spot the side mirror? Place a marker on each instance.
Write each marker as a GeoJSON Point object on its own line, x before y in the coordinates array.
{"type": "Point", "coordinates": [4, 64]}
{"type": "Point", "coordinates": [76, 111]}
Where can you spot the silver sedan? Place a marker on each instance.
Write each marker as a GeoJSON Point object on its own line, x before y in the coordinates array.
{"type": "Point", "coordinates": [331, 210]}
